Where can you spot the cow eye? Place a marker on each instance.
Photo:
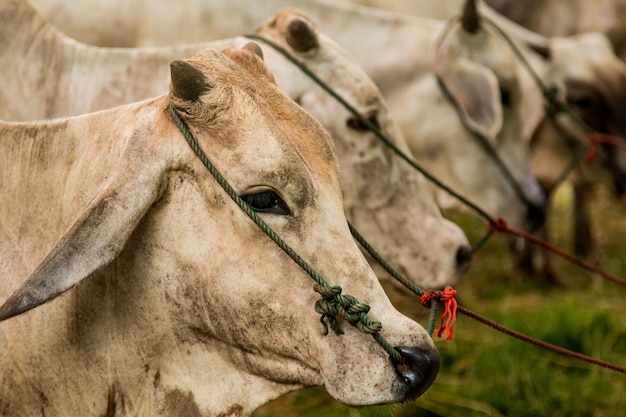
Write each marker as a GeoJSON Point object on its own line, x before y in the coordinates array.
{"type": "Point", "coordinates": [356, 124]}
{"type": "Point", "coordinates": [266, 202]}
{"type": "Point", "coordinates": [506, 97]}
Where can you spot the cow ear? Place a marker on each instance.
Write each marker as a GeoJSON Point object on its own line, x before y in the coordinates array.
{"type": "Point", "coordinates": [301, 35]}
{"type": "Point", "coordinates": [255, 48]}
{"type": "Point", "coordinates": [188, 82]}
{"type": "Point", "coordinates": [92, 242]}
{"type": "Point", "coordinates": [474, 89]}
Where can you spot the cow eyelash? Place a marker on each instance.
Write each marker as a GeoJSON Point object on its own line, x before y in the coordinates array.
{"type": "Point", "coordinates": [267, 202]}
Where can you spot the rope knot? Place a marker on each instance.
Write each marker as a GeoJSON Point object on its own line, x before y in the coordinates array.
{"type": "Point", "coordinates": [596, 139]}
{"type": "Point", "coordinates": [499, 225]}
{"type": "Point", "coordinates": [552, 104]}
{"type": "Point", "coordinates": [448, 318]}
{"type": "Point", "coordinates": [333, 305]}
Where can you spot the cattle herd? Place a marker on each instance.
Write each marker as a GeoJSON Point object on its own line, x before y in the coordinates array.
{"type": "Point", "coordinates": [133, 285]}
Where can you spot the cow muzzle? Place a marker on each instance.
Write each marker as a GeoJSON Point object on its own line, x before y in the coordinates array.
{"type": "Point", "coordinates": [419, 370]}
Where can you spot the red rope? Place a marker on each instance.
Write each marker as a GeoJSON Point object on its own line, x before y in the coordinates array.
{"type": "Point", "coordinates": [540, 343]}
{"type": "Point", "coordinates": [597, 139]}
{"type": "Point", "coordinates": [448, 318]}
{"type": "Point", "coordinates": [500, 225]}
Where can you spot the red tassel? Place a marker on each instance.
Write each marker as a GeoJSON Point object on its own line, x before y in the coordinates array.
{"type": "Point", "coordinates": [597, 138]}
{"type": "Point", "coordinates": [591, 154]}
{"type": "Point", "coordinates": [448, 318]}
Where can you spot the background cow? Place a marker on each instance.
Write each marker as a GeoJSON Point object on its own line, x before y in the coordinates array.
{"type": "Point", "coordinates": [589, 78]}
{"type": "Point", "coordinates": [398, 52]}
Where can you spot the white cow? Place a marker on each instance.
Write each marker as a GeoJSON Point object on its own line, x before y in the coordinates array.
{"type": "Point", "coordinates": [589, 76]}
{"type": "Point", "coordinates": [385, 199]}
{"type": "Point", "coordinates": [182, 305]}
{"type": "Point", "coordinates": [400, 53]}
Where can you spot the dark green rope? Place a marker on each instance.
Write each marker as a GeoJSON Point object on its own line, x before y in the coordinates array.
{"type": "Point", "coordinates": [371, 127]}
{"type": "Point", "coordinates": [394, 273]}
{"type": "Point", "coordinates": [490, 151]}
{"type": "Point", "coordinates": [397, 276]}
{"type": "Point", "coordinates": [333, 304]}
{"type": "Point", "coordinates": [552, 107]}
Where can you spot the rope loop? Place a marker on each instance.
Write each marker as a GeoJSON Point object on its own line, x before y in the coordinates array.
{"type": "Point", "coordinates": [448, 318]}
{"type": "Point", "coordinates": [553, 105]}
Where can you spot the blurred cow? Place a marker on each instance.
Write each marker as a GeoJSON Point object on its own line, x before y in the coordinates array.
{"type": "Point", "coordinates": [404, 56]}
{"type": "Point", "coordinates": [385, 199]}
{"type": "Point", "coordinates": [589, 78]}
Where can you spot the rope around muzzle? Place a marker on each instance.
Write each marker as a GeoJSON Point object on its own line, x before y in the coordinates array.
{"type": "Point", "coordinates": [333, 305]}
{"type": "Point", "coordinates": [433, 298]}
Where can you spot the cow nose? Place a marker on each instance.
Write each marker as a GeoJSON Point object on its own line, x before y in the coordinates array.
{"type": "Point", "coordinates": [463, 258]}
{"type": "Point", "coordinates": [419, 370]}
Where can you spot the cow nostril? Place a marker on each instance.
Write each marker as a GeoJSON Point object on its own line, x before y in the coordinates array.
{"type": "Point", "coordinates": [463, 258]}
{"type": "Point", "coordinates": [419, 370]}
{"type": "Point", "coordinates": [535, 216]}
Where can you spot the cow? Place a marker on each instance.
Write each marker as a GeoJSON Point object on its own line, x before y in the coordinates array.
{"type": "Point", "coordinates": [588, 77]}
{"type": "Point", "coordinates": [384, 198]}
{"type": "Point", "coordinates": [399, 53]}
{"type": "Point", "coordinates": [134, 285]}
{"type": "Point", "coordinates": [591, 80]}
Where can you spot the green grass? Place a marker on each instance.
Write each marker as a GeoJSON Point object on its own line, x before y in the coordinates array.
{"type": "Point", "coordinates": [485, 373]}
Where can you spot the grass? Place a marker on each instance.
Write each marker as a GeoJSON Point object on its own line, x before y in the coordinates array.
{"type": "Point", "coordinates": [485, 373]}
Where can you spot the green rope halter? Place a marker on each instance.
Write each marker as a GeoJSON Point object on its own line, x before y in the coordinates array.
{"type": "Point", "coordinates": [333, 304]}
{"type": "Point", "coordinates": [408, 159]}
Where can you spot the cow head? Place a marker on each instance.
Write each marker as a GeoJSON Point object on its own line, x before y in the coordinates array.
{"type": "Point", "coordinates": [387, 200]}
{"type": "Point", "coordinates": [180, 294]}
{"type": "Point", "coordinates": [592, 82]}
{"type": "Point", "coordinates": [478, 73]}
